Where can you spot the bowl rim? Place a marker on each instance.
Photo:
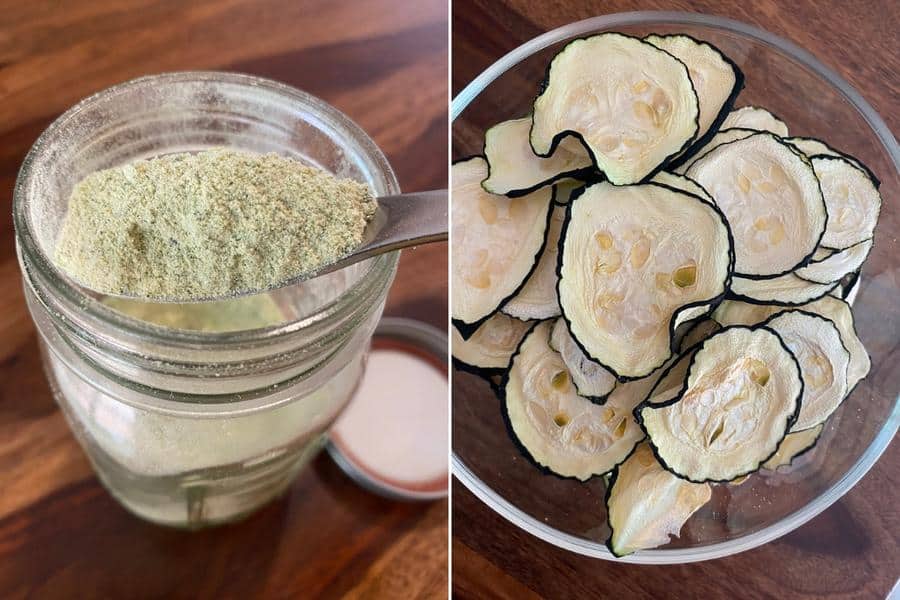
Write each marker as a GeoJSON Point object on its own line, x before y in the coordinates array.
{"type": "Point", "coordinates": [884, 436]}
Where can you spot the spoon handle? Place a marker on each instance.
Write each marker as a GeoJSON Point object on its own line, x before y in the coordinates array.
{"type": "Point", "coordinates": [408, 220]}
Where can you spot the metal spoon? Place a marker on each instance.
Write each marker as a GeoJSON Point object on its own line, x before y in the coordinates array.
{"type": "Point", "coordinates": [400, 222]}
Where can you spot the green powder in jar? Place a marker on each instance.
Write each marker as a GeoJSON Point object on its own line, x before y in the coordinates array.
{"type": "Point", "coordinates": [212, 223]}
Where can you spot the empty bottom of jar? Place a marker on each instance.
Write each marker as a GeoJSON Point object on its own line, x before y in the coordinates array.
{"type": "Point", "coordinates": [206, 497]}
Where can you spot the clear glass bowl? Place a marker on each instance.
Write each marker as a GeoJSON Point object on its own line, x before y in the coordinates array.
{"type": "Point", "coordinates": [813, 101]}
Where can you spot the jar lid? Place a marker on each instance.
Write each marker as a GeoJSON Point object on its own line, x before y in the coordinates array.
{"type": "Point", "coordinates": [393, 437]}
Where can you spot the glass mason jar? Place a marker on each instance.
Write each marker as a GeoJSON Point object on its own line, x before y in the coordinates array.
{"type": "Point", "coordinates": [194, 427]}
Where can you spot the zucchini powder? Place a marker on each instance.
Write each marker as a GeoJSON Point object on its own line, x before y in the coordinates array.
{"type": "Point", "coordinates": [211, 223]}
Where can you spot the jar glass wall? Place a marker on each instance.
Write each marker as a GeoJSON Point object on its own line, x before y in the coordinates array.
{"type": "Point", "coordinates": [204, 420]}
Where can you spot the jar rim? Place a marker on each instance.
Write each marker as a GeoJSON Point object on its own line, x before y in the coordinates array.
{"type": "Point", "coordinates": [33, 257]}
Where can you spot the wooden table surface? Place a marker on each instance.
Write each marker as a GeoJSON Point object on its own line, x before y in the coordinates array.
{"type": "Point", "coordinates": [852, 550]}
{"type": "Point", "coordinates": [61, 534]}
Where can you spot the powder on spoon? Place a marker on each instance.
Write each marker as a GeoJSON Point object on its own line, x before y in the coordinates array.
{"type": "Point", "coordinates": [211, 223]}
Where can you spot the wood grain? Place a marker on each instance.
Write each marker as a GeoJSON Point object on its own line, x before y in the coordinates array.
{"type": "Point", "coordinates": [61, 534]}
{"type": "Point", "coordinates": [852, 550]}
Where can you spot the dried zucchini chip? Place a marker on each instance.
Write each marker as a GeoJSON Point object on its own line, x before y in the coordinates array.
{"type": "Point", "coordinates": [631, 104]}
{"type": "Point", "coordinates": [558, 429]}
{"type": "Point", "coordinates": [792, 446]}
{"type": "Point", "coordinates": [496, 243]}
{"type": "Point", "coordinates": [645, 504]}
{"type": "Point", "coordinates": [786, 290]}
{"type": "Point", "coordinates": [813, 147]}
{"type": "Point", "coordinates": [716, 79]}
{"type": "Point", "coordinates": [754, 117]}
{"type": "Point", "coordinates": [633, 258]}
{"type": "Point", "coordinates": [816, 344]}
{"type": "Point", "coordinates": [833, 265]}
{"type": "Point", "coordinates": [537, 298]}
{"type": "Point", "coordinates": [492, 344]}
{"type": "Point", "coordinates": [742, 394]}
{"type": "Point", "coordinates": [771, 198]}
{"type": "Point", "coordinates": [837, 311]}
{"type": "Point", "coordinates": [683, 183]}
{"type": "Point", "coordinates": [852, 200]}
{"type": "Point", "coordinates": [591, 380]}
{"type": "Point", "coordinates": [515, 170]}
{"type": "Point", "coordinates": [723, 136]}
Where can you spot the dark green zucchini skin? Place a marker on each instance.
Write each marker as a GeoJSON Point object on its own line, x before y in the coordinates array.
{"type": "Point", "coordinates": [466, 330]}
{"type": "Point", "coordinates": [545, 82]}
{"type": "Point", "coordinates": [723, 112]}
{"type": "Point", "coordinates": [792, 418]}
{"type": "Point", "coordinates": [809, 256]}
{"type": "Point", "coordinates": [501, 393]}
{"type": "Point", "coordinates": [852, 158]}
{"type": "Point", "coordinates": [713, 302]}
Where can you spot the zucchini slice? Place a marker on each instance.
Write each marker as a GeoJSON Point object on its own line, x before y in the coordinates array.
{"type": "Point", "coordinates": [742, 394]}
{"type": "Point", "coordinates": [754, 117]}
{"type": "Point", "coordinates": [834, 266]}
{"type": "Point", "coordinates": [591, 380]}
{"type": "Point", "coordinates": [514, 170]}
{"type": "Point", "coordinates": [492, 344]}
{"type": "Point", "coordinates": [683, 183]}
{"type": "Point", "coordinates": [837, 311]}
{"type": "Point", "coordinates": [792, 446]}
{"type": "Point", "coordinates": [852, 199]}
{"type": "Point", "coordinates": [631, 104]}
{"type": "Point", "coordinates": [816, 344]}
{"type": "Point", "coordinates": [537, 298]}
{"type": "Point", "coordinates": [771, 198]}
{"type": "Point", "coordinates": [633, 258]}
{"type": "Point", "coordinates": [496, 242]}
{"type": "Point", "coordinates": [563, 190]}
{"type": "Point", "coordinates": [813, 147]}
{"type": "Point", "coordinates": [645, 504]}
{"type": "Point", "coordinates": [723, 136]}
{"type": "Point", "coordinates": [558, 429]}
{"type": "Point", "coordinates": [786, 290]}
{"type": "Point", "coordinates": [716, 79]}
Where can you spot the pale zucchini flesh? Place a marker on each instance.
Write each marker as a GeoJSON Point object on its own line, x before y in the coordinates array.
{"type": "Point", "coordinates": [786, 290]}
{"type": "Point", "coordinates": [723, 136]}
{"type": "Point", "coordinates": [631, 104]}
{"type": "Point", "coordinates": [492, 344]}
{"type": "Point", "coordinates": [792, 446]}
{"type": "Point", "coordinates": [772, 200]}
{"type": "Point", "coordinates": [852, 200]}
{"type": "Point", "coordinates": [813, 147]}
{"type": "Point", "coordinates": [716, 79]}
{"type": "Point", "coordinates": [559, 430]}
{"type": "Point", "coordinates": [742, 394]}
{"type": "Point", "coordinates": [754, 117]}
{"type": "Point", "coordinates": [515, 170]}
{"type": "Point", "coordinates": [646, 505]}
{"type": "Point", "coordinates": [537, 298]}
{"type": "Point", "coordinates": [835, 265]}
{"type": "Point", "coordinates": [496, 241]}
{"type": "Point", "coordinates": [816, 344]}
{"type": "Point", "coordinates": [591, 379]}
{"type": "Point", "coordinates": [632, 259]}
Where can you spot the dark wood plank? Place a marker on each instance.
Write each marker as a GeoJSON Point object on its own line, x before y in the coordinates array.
{"type": "Point", "coordinates": [61, 534]}
{"type": "Point", "coordinates": [852, 550]}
